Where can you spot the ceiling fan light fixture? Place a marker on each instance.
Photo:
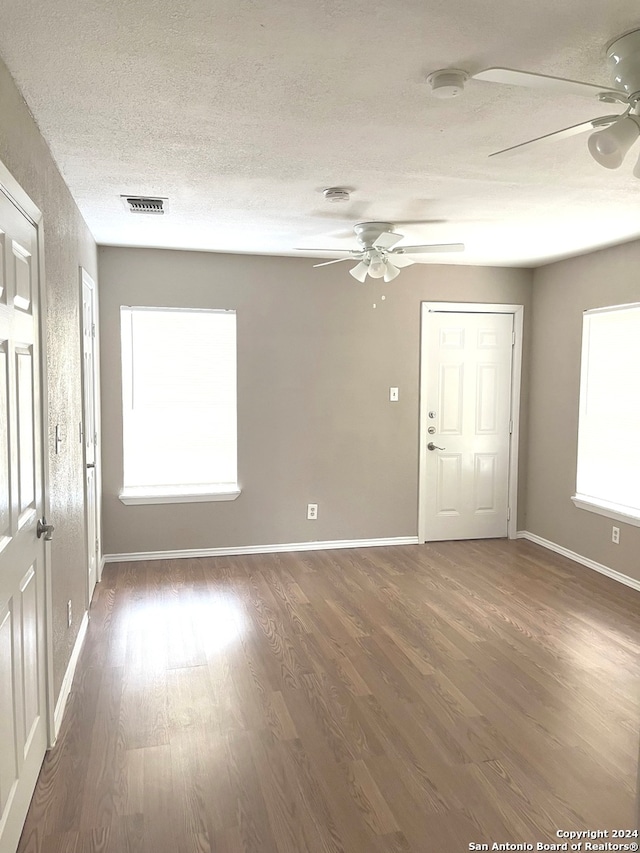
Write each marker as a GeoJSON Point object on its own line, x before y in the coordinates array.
{"type": "Point", "coordinates": [359, 272]}
{"type": "Point", "coordinates": [609, 147]}
{"type": "Point", "coordinates": [377, 267]}
{"type": "Point", "coordinates": [391, 272]}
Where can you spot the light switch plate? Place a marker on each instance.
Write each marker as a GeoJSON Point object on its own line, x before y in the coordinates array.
{"type": "Point", "coordinates": [393, 395]}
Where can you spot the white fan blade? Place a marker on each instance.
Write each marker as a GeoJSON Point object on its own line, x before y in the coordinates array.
{"type": "Point", "coordinates": [386, 240]}
{"type": "Point", "coordinates": [512, 77]}
{"type": "Point", "coordinates": [435, 247]}
{"type": "Point", "coordinates": [316, 249]}
{"type": "Point", "coordinates": [600, 123]}
{"type": "Point", "coordinates": [337, 261]}
{"type": "Point", "coordinates": [399, 260]}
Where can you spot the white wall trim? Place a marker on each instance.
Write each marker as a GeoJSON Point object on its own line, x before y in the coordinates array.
{"type": "Point", "coordinates": [260, 549]}
{"type": "Point", "coordinates": [578, 558]}
{"type": "Point", "coordinates": [516, 379]}
{"type": "Point", "coordinates": [67, 681]}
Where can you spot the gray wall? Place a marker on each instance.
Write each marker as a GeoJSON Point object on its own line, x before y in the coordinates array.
{"type": "Point", "coordinates": [68, 244]}
{"type": "Point", "coordinates": [315, 362]}
{"type": "Point", "coordinates": [561, 292]}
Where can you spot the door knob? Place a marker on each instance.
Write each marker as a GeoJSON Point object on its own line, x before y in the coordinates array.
{"type": "Point", "coordinates": [432, 446]}
{"type": "Point", "coordinates": [44, 529]}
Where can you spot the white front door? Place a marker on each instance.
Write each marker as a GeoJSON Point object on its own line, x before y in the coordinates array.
{"type": "Point", "coordinates": [89, 426]}
{"type": "Point", "coordinates": [465, 424]}
{"type": "Point", "coordinates": [23, 728]}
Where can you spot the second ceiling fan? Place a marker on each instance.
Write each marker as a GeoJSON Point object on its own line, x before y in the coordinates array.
{"type": "Point", "coordinates": [614, 134]}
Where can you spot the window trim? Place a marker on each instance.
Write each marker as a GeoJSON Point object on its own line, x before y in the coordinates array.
{"type": "Point", "coordinates": [609, 509]}
{"type": "Point", "coordinates": [173, 495]}
{"type": "Point", "coordinates": [618, 512]}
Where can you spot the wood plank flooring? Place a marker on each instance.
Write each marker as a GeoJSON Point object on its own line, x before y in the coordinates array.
{"type": "Point", "coordinates": [382, 700]}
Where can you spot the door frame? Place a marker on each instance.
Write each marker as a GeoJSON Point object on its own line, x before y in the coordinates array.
{"type": "Point", "coordinates": [85, 277]}
{"type": "Point", "coordinates": [13, 190]}
{"type": "Point", "coordinates": [516, 376]}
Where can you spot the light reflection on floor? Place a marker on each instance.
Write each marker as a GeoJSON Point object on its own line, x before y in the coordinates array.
{"type": "Point", "coordinates": [182, 628]}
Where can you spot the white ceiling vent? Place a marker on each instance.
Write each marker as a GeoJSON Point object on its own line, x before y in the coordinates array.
{"type": "Point", "coordinates": [145, 204]}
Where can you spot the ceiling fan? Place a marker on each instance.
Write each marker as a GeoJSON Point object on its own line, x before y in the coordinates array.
{"type": "Point", "coordinates": [615, 134]}
{"type": "Point", "coordinates": [377, 253]}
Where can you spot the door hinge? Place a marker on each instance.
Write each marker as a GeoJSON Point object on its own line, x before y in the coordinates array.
{"type": "Point", "coordinates": [510, 427]}
{"type": "Point", "coordinates": [93, 330]}
{"type": "Point", "coordinates": [513, 339]}
{"type": "Point", "coordinates": [508, 513]}
{"type": "Point", "coordinates": [97, 546]}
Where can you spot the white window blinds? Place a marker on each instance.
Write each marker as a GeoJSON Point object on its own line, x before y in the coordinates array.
{"type": "Point", "coordinates": [179, 400]}
{"type": "Point", "coordinates": [608, 472]}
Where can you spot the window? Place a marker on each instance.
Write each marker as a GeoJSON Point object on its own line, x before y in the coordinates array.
{"type": "Point", "coordinates": [608, 475]}
{"type": "Point", "coordinates": [179, 405]}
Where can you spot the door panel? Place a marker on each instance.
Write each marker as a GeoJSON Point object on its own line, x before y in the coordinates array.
{"type": "Point", "coordinates": [8, 763]}
{"type": "Point", "coordinates": [26, 466]}
{"type": "Point", "coordinates": [487, 399]}
{"type": "Point", "coordinates": [486, 465]}
{"type": "Point", "coordinates": [23, 731]}
{"type": "Point", "coordinates": [466, 405]}
{"type": "Point", "coordinates": [450, 397]}
{"type": "Point", "coordinates": [449, 484]}
{"type": "Point", "coordinates": [30, 656]}
{"type": "Point", "coordinates": [5, 479]}
{"type": "Point", "coordinates": [22, 273]}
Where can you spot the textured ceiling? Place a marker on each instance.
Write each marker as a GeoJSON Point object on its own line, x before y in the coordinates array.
{"type": "Point", "coordinates": [241, 111]}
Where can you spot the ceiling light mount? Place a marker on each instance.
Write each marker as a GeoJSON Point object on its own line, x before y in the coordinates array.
{"type": "Point", "coordinates": [368, 232]}
{"type": "Point", "coordinates": [447, 83]}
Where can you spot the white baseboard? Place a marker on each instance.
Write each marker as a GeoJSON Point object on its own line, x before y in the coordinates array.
{"type": "Point", "coordinates": [67, 681]}
{"type": "Point", "coordinates": [259, 549]}
{"type": "Point", "coordinates": [578, 558]}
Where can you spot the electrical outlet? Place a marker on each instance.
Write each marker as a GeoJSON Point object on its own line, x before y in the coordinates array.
{"type": "Point", "coordinates": [393, 395]}
{"type": "Point", "coordinates": [69, 614]}
{"type": "Point", "coordinates": [312, 512]}
{"type": "Point", "coordinates": [615, 535]}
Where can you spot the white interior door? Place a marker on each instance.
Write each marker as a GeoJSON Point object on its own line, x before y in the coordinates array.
{"type": "Point", "coordinates": [23, 727]}
{"type": "Point", "coordinates": [89, 426]}
{"type": "Point", "coordinates": [465, 424]}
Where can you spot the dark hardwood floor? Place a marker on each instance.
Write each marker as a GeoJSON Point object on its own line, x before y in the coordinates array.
{"type": "Point", "coordinates": [416, 698]}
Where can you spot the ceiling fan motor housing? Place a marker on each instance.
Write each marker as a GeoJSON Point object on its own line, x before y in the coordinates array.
{"type": "Point", "coordinates": [623, 56]}
{"type": "Point", "coordinates": [368, 232]}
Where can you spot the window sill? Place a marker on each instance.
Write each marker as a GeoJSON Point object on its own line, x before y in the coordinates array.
{"type": "Point", "coordinates": [626, 514]}
{"type": "Point", "coordinates": [177, 495]}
